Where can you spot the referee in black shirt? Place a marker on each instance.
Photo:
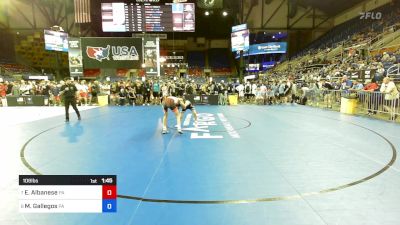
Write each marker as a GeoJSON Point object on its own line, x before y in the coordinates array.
{"type": "Point", "coordinates": [68, 91]}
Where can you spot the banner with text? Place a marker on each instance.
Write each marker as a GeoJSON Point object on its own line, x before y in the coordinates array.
{"type": "Point", "coordinates": [151, 52]}
{"type": "Point", "coordinates": [75, 57]}
{"type": "Point", "coordinates": [112, 52]}
{"type": "Point", "coordinates": [265, 48]}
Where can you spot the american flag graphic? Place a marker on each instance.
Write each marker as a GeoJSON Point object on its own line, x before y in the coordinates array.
{"type": "Point", "coordinates": [82, 11]}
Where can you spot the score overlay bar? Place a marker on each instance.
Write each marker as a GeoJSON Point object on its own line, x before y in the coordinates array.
{"type": "Point", "coordinates": [67, 193]}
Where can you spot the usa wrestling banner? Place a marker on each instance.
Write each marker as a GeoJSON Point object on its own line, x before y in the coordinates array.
{"type": "Point", "coordinates": [112, 52]}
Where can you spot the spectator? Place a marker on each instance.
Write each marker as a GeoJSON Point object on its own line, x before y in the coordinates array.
{"type": "Point", "coordinates": [122, 95]}
{"type": "Point", "coordinates": [240, 90]}
{"type": "Point", "coordinates": [263, 90]}
{"type": "Point", "coordinates": [146, 91]}
{"type": "Point", "coordinates": [346, 83]}
{"type": "Point", "coordinates": [391, 93]}
{"type": "Point", "coordinates": [259, 97]}
{"type": "Point", "coordinates": [385, 57]}
{"type": "Point", "coordinates": [247, 90]}
{"type": "Point", "coordinates": [131, 96]}
{"type": "Point", "coordinates": [9, 87]}
{"type": "Point", "coordinates": [3, 89]}
{"type": "Point", "coordinates": [372, 87]}
{"type": "Point", "coordinates": [357, 86]}
{"type": "Point", "coordinates": [221, 94]}
{"type": "Point", "coordinates": [25, 88]}
{"type": "Point", "coordinates": [16, 89]}
{"type": "Point", "coordinates": [95, 91]}
{"type": "Point", "coordinates": [156, 92]}
{"type": "Point", "coordinates": [393, 59]}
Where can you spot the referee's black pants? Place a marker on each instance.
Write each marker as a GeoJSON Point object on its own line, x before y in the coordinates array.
{"type": "Point", "coordinates": [72, 102]}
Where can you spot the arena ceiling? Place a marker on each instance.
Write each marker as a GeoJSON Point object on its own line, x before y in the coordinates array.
{"type": "Point", "coordinates": [331, 7]}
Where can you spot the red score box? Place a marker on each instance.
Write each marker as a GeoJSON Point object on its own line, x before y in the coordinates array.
{"type": "Point", "coordinates": [109, 191]}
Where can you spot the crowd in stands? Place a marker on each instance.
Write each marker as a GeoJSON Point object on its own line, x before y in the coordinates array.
{"type": "Point", "coordinates": [355, 38]}
{"type": "Point", "coordinates": [275, 89]}
{"type": "Point", "coordinates": [356, 30]}
{"type": "Point", "coordinates": [318, 75]}
{"type": "Point", "coordinates": [345, 66]}
{"type": "Point", "coordinates": [15, 68]}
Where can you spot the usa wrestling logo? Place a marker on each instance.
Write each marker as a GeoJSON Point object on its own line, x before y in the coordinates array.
{"type": "Point", "coordinates": [98, 53]}
{"type": "Point", "coordinates": [118, 53]}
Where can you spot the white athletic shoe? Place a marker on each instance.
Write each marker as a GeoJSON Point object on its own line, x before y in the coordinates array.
{"type": "Point", "coordinates": [164, 132]}
{"type": "Point", "coordinates": [180, 131]}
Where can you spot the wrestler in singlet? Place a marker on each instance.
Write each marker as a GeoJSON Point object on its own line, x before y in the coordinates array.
{"type": "Point", "coordinates": [189, 105]}
{"type": "Point", "coordinates": [172, 103]}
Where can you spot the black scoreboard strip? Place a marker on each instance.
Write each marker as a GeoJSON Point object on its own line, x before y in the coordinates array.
{"type": "Point", "coordinates": [67, 179]}
{"type": "Point", "coordinates": [135, 17]}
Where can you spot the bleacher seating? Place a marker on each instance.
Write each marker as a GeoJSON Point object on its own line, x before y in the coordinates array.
{"type": "Point", "coordinates": [223, 71]}
{"type": "Point", "coordinates": [196, 59]}
{"type": "Point", "coordinates": [199, 80]}
{"type": "Point", "coordinates": [170, 71]}
{"type": "Point", "coordinates": [378, 35]}
{"type": "Point", "coordinates": [195, 71]}
{"type": "Point", "coordinates": [14, 68]}
{"type": "Point", "coordinates": [7, 78]}
{"type": "Point", "coordinates": [220, 79]}
{"type": "Point", "coordinates": [7, 43]}
{"type": "Point", "coordinates": [31, 49]}
{"type": "Point", "coordinates": [91, 72]}
{"type": "Point", "coordinates": [345, 31]}
{"type": "Point", "coordinates": [218, 58]}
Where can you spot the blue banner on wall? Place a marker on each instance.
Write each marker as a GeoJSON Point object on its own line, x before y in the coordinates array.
{"type": "Point", "coordinates": [265, 48]}
{"type": "Point", "coordinates": [239, 27]}
{"type": "Point", "coordinates": [268, 65]}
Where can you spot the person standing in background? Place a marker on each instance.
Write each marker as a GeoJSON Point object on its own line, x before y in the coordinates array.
{"type": "Point", "coordinates": [372, 87]}
{"type": "Point", "coordinates": [16, 89]}
{"type": "Point", "coordinates": [391, 93]}
{"type": "Point", "coordinates": [3, 91]}
{"type": "Point", "coordinates": [146, 92]}
{"type": "Point", "coordinates": [9, 87]}
{"type": "Point", "coordinates": [156, 92]}
{"type": "Point", "coordinates": [69, 92]}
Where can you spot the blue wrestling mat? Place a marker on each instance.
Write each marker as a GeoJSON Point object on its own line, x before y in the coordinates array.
{"type": "Point", "coordinates": [288, 165]}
